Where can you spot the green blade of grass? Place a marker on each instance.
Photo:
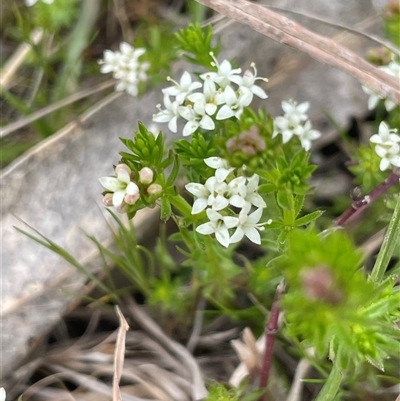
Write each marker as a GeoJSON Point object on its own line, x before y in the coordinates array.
{"type": "Point", "coordinates": [390, 242]}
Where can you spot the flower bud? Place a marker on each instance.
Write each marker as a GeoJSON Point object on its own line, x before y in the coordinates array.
{"type": "Point", "coordinates": [131, 199]}
{"type": "Point", "coordinates": [154, 189]}
{"type": "Point", "coordinates": [319, 284]}
{"type": "Point", "coordinates": [108, 199]}
{"type": "Point", "coordinates": [146, 176]}
{"type": "Point", "coordinates": [122, 168]}
{"type": "Point", "coordinates": [132, 194]}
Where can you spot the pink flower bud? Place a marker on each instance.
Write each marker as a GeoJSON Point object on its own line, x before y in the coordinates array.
{"type": "Point", "coordinates": [108, 199]}
{"type": "Point", "coordinates": [319, 284]}
{"type": "Point", "coordinates": [131, 199]}
{"type": "Point", "coordinates": [146, 176]}
{"type": "Point", "coordinates": [122, 168]}
{"type": "Point", "coordinates": [154, 189]}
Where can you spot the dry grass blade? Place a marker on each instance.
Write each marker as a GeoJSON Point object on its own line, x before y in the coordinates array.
{"type": "Point", "coordinates": [325, 50]}
{"type": "Point", "coordinates": [199, 390]}
{"type": "Point", "coordinates": [19, 56]}
{"type": "Point", "coordinates": [10, 128]}
{"type": "Point", "coordinates": [119, 354]}
{"type": "Point", "coordinates": [296, 389]}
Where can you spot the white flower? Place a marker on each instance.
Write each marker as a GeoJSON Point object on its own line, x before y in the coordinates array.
{"type": "Point", "coordinates": [218, 225]}
{"type": "Point", "coordinates": [295, 122]}
{"type": "Point", "coordinates": [387, 146]}
{"type": "Point", "coordinates": [196, 117]}
{"type": "Point", "coordinates": [234, 103]}
{"type": "Point", "coordinates": [201, 192]}
{"type": "Point", "coordinates": [393, 69]}
{"type": "Point", "coordinates": [221, 165]}
{"type": "Point", "coordinates": [248, 225]}
{"type": "Point", "coordinates": [248, 81]}
{"type": "Point", "coordinates": [182, 89]}
{"type": "Point", "coordinates": [30, 3]}
{"type": "Point", "coordinates": [169, 115]}
{"type": "Point", "coordinates": [2, 394]}
{"type": "Point", "coordinates": [306, 135]}
{"type": "Point", "coordinates": [121, 186]}
{"type": "Point", "coordinates": [295, 113]}
{"type": "Point", "coordinates": [210, 98]}
{"type": "Point", "coordinates": [126, 67]}
{"type": "Point", "coordinates": [252, 197]}
{"type": "Point", "coordinates": [224, 75]}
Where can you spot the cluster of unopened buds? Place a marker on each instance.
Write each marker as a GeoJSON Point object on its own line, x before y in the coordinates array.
{"type": "Point", "coordinates": [218, 100]}
{"type": "Point", "coordinates": [122, 190]}
{"type": "Point", "coordinates": [219, 194]}
{"type": "Point", "coordinates": [387, 146]}
{"type": "Point", "coordinates": [125, 67]}
{"type": "Point", "coordinates": [295, 122]}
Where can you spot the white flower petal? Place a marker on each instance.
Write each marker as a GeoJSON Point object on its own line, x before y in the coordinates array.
{"type": "Point", "coordinates": [110, 183]}
{"type": "Point", "coordinates": [118, 198]}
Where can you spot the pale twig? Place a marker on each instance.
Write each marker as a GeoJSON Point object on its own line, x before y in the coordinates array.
{"type": "Point", "coordinates": [373, 38]}
{"type": "Point", "coordinates": [10, 128]}
{"type": "Point", "coordinates": [119, 354]}
{"type": "Point", "coordinates": [325, 50]}
{"type": "Point", "coordinates": [199, 390]}
{"type": "Point", "coordinates": [122, 17]}
{"type": "Point", "coordinates": [197, 325]}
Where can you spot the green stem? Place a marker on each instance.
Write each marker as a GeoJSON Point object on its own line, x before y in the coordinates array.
{"type": "Point", "coordinates": [181, 204]}
{"type": "Point", "coordinates": [390, 242]}
{"type": "Point", "coordinates": [332, 385]}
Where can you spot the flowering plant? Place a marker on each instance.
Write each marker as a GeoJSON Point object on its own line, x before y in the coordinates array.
{"type": "Point", "coordinates": [246, 179]}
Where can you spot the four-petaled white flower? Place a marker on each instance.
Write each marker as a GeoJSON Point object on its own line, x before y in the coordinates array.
{"type": "Point", "coordinates": [182, 89]}
{"type": "Point", "coordinates": [30, 3]}
{"type": "Point", "coordinates": [169, 115]}
{"type": "Point", "coordinates": [121, 186]}
{"type": "Point", "coordinates": [387, 146]}
{"type": "Point", "coordinates": [225, 73]}
{"type": "Point", "coordinates": [393, 68]}
{"type": "Point", "coordinates": [248, 225]}
{"type": "Point", "coordinates": [218, 225]}
{"type": "Point", "coordinates": [306, 134]}
{"type": "Point", "coordinates": [196, 117]}
{"type": "Point", "coordinates": [248, 81]}
{"type": "Point", "coordinates": [125, 67]}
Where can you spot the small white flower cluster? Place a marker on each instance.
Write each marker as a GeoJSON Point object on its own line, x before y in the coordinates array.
{"type": "Point", "coordinates": [30, 3]}
{"type": "Point", "coordinates": [122, 191]}
{"type": "Point", "coordinates": [295, 122]}
{"type": "Point", "coordinates": [393, 69]}
{"type": "Point", "coordinates": [218, 100]}
{"type": "Point", "coordinates": [126, 67]}
{"type": "Point", "coordinates": [387, 146]}
{"type": "Point", "coordinates": [218, 194]}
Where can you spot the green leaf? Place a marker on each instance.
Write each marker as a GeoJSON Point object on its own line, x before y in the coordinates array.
{"type": "Point", "coordinates": [166, 210]}
{"type": "Point", "coordinates": [174, 172]}
{"type": "Point", "coordinates": [308, 218]}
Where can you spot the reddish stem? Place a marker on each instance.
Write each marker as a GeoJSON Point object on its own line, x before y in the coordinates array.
{"type": "Point", "coordinates": [271, 329]}
{"type": "Point", "coordinates": [360, 205]}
